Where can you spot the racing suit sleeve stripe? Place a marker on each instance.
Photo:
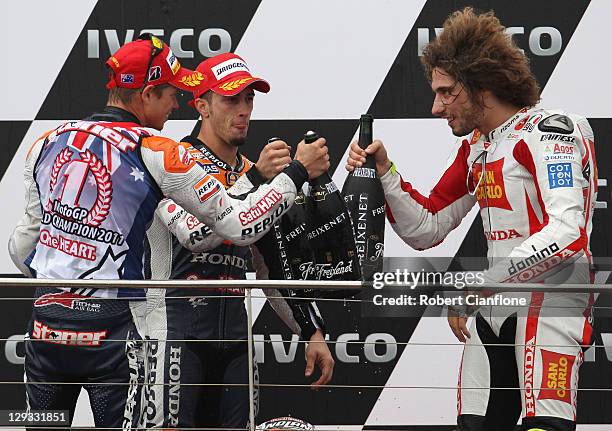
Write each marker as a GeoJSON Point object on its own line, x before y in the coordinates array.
{"type": "Point", "coordinates": [523, 156]}
{"type": "Point", "coordinates": [423, 222]}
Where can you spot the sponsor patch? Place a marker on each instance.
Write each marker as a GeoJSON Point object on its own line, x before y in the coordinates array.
{"type": "Point", "coordinates": [173, 62]}
{"type": "Point", "coordinates": [261, 207]}
{"type": "Point", "coordinates": [115, 61]}
{"type": "Point", "coordinates": [557, 137]}
{"type": "Point", "coordinates": [184, 155]}
{"type": "Point", "coordinates": [69, 246]}
{"type": "Point", "coordinates": [560, 175]}
{"type": "Point", "coordinates": [209, 168]}
{"type": "Point", "coordinates": [475, 137]}
{"type": "Point", "coordinates": [502, 235]}
{"type": "Point", "coordinates": [67, 300]}
{"type": "Point", "coordinates": [491, 191]}
{"type": "Point", "coordinates": [127, 78]}
{"type": "Point", "coordinates": [232, 65]}
{"type": "Point", "coordinates": [206, 188]}
{"type": "Point", "coordinates": [40, 331]}
{"type": "Point", "coordinates": [556, 376]}
{"type": "Point", "coordinates": [154, 73]}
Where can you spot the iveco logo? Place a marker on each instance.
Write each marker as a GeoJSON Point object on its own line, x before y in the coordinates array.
{"type": "Point", "coordinates": [543, 41]}
{"type": "Point", "coordinates": [211, 41]}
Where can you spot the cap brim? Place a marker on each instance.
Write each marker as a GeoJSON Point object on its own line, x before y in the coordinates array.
{"type": "Point", "coordinates": [233, 87]}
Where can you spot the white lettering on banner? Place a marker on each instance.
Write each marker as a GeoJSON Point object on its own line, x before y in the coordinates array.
{"type": "Point", "coordinates": [110, 135]}
{"type": "Point", "coordinates": [379, 347]}
{"type": "Point", "coordinates": [71, 247]}
{"type": "Point", "coordinates": [42, 332]}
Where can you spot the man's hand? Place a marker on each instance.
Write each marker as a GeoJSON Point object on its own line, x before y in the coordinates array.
{"type": "Point", "coordinates": [318, 353]}
{"type": "Point", "coordinates": [273, 159]}
{"type": "Point", "coordinates": [376, 149]}
{"type": "Point", "coordinates": [314, 157]}
{"type": "Point", "coordinates": [458, 324]}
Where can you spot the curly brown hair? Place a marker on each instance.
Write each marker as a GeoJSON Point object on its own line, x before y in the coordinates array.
{"type": "Point", "coordinates": [477, 51]}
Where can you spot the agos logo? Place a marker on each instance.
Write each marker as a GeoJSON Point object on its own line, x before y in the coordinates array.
{"type": "Point", "coordinates": [211, 41]}
{"type": "Point", "coordinates": [542, 41]}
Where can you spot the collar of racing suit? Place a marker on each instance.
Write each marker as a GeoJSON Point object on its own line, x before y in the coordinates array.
{"type": "Point", "coordinates": [503, 129]}
{"type": "Point", "coordinates": [114, 114]}
{"type": "Point", "coordinates": [210, 154]}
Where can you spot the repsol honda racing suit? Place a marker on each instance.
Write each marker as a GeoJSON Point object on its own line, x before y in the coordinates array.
{"type": "Point", "coordinates": [92, 187]}
{"type": "Point", "coordinates": [534, 178]}
{"type": "Point", "coordinates": [199, 337]}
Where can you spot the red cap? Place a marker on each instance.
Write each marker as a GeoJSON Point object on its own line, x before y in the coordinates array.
{"type": "Point", "coordinates": [226, 74]}
{"type": "Point", "coordinates": [130, 61]}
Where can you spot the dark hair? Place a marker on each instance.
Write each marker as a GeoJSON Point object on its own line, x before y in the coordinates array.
{"type": "Point", "coordinates": [477, 51]}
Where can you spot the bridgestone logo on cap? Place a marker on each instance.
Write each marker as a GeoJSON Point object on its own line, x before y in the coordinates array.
{"type": "Point", "coordinates": [233, 65]}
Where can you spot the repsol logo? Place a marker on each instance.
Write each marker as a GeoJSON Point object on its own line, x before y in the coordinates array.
{"type": "Point", "coordinates": [542, 41]}
{"type": "Point", "coordinates": [152, 348]}
{"type": "Point", "coordinates": [379, 347]}
{"type": "Point", "coordinates": [210, 41]}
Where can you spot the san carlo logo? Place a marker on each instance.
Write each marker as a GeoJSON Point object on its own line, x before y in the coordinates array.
{"type": "Point", "coordinates": [543, 41]}
{"type": "Point", "coordinates": [210, 41]}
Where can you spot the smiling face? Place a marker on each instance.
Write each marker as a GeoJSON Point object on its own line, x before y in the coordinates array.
{"type": "Point", "coordinates": [228, 116]}
{"type": "Point", "coordinates": [452, 102]}
{"type": "Point", "coordinates": [158, 105]}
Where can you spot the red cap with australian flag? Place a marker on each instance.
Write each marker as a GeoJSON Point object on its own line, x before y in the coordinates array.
{"type": "Point", "coordinates": [129, 64]}
{"type": "Point", "coordinates": [227, 74]}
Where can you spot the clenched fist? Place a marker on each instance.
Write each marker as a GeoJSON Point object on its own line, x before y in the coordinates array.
{"type": "Point", "coordinates": [376, 149]}
{"type": "Point", "coordinates": [314, 157]}
{"type": "Point", "coordinates": [273, 158]}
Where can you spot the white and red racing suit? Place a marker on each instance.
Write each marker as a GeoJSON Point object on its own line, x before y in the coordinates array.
{"type": "Point", "coordinates": [534, 178]}
{"type": "Point", "coordinates": [200, 337]}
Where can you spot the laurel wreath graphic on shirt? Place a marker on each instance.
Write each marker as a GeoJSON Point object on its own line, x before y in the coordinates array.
{"type": "Point", "coordinates": [193, 79]}
{"type": "Point", "coordinates": [62, 158]}
{"type": "Point", "coordinates": [105, 189]}
{"type": "Point", "coordinates": [232, 85]}
{"type": "Point", "coordinates": [103, 183]}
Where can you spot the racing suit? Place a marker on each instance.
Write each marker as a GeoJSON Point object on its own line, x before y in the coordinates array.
{"type": "Point", "coordinates": [534, 178]}
{"type": "Point", "coordinates": [92, 187]}
{"type": "Point", "coordinates": [180, 320]}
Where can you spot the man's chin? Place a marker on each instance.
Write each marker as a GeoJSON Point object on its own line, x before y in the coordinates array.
{"type": "Point", "coordinates": [238, 142]}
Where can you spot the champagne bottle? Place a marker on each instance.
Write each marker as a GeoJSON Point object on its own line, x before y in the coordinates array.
{"type": "Point", "coordinates": [285, 248]}
{"type": "Point", "coordinates": [365, 199]}
{"type": "Point", "coordinates": [329, 232]}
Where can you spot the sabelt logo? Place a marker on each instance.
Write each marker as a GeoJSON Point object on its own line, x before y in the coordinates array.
{"type": "Point", "coordinates": [491, 191]}
{"type": "Point", "coordinates": [207, 39]}
{"type": "Point", "coordinates": [261, 207]}
{"type": "Point", "coordinates": [556, 376]}
{"type": "Point", "coordinates": [543, 41]}
{"type": "Point", "coordinates": [43, 332]}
